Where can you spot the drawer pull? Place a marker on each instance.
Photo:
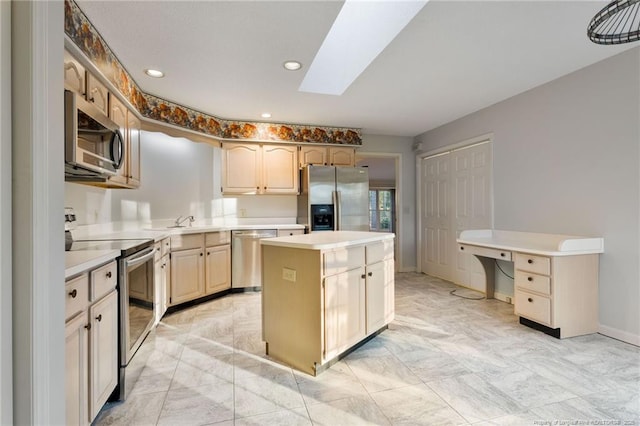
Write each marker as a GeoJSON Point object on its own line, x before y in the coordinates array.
{"type": "Point", "coordinates": [208, 253]}
{"type": "Point", "coordinates": [461, 248]}
{"type": "Point", "coordinates": [99, 318]}
{"type": "Point", "coordinates": [88, 326]}
{"type": "Point", "coordinates": [529, 279]}
{"type": "Point", "coordinates": [109, 274]}
{"type": "Point", "coordinates": [502, 254]}
{"type": "Point", "coordinates": [529, 299]}
{"type": "Point", "coordinates": [200, 253]}
{"type": "Point", "coordinates": [530, 261]}
{"type": "Point", "coordinates": [73, 293]}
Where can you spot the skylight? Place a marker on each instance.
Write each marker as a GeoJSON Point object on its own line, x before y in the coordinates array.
{"type": "Point", "coordinates": [361, 31]}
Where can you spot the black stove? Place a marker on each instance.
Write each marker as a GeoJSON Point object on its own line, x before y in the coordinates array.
{"type": "Point", "coordinates": [126, 246]}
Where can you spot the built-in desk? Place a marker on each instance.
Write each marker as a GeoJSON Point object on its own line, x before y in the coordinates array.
{"type": "Point", "coordinates": [555, 276]}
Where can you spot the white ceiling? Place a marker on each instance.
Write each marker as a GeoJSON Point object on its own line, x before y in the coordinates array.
{"type": "Point", "coordinates": [455, 57]}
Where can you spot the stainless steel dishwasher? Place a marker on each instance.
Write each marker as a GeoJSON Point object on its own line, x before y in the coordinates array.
{"type": "Point", "coordinates": [246, 261]}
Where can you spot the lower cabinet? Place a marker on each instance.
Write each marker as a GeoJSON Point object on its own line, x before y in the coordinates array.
{"type": "Point", "coordinates": [319, 303]}
{"type": "Point", "coordinates": [162, 277]}
{"type": "Point", "coordinates": [344, 298]}
{"type": "Point", "coordinates": [91, 344]}
{"type": "Point", "coordinates": [200, 265]}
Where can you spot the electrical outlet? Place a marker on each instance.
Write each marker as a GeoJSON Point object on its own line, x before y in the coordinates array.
{"type": "Point", "coordinates": [289, 274]}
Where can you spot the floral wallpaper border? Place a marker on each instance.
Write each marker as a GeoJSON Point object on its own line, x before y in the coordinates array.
{"type": "Point", "coordinates": [80, 30]}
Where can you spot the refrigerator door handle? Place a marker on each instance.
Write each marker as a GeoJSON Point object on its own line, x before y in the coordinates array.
{"type": "Point", "coordinates": [337, 210]}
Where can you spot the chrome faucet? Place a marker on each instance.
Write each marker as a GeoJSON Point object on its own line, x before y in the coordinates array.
{"type": "Point", "coordinates": [180, 220]}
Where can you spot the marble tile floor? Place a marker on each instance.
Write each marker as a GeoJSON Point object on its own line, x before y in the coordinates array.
{"type": "Point", "coordinates": [443, 360]}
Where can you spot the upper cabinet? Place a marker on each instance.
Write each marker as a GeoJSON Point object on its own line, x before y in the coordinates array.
{"type": "Point", "coordinates": [327, 156]}
{"type": "Point", "coordinates": [97, 94]}
{"type": "Point", "coordinates": [259, 169]}
{"type": "Point", "coordinates": [78, 79]}
{"type": "Point", "coordinates": [74, 74]}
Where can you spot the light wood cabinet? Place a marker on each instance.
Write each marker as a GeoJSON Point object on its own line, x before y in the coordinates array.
{"type": "Point", "coordinates": [74, 75]}
{"type": "Point", "coordinates": [327, 156]}
{"type": "Point", "coordinates": [162, 277]}
{"type": "Point", "coordinates": [200, 265]}
{"type": "Point", "coordinates": [132, 159]}
{"type": "Point", "coordinates": [97, 94]}
{"type": "Point", "coordinates": [344, 311]}
{"type": "Point", "coordinates": [91, 344]}
{"type": "Point", "coordinates": [217, 269]}
{"type": "Point", "coordinates": [103, 349]}
{"type": "Point", "coordinates": [259, 169]}
{"type": "Point", "coordinates": [187, 275]}
{"type": "Point", "coordinates": [319, 303]}
{"type": "Point", "coordinates": [77, 370]}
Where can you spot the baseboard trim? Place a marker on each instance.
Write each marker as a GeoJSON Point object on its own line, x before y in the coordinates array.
{"type": "Point", "coordinates": [621, 335]}
{"type": "Point", "coordinates": [503, 297]}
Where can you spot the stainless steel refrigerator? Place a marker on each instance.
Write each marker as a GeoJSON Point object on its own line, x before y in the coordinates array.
{"type": "Point", "coordinates": [334, 198]}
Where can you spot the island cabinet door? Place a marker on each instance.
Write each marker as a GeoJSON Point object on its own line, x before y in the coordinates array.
{"type": "Point", "coordinates": [344, 311]}
{"type": "Point", "coordinates": [380, 295]}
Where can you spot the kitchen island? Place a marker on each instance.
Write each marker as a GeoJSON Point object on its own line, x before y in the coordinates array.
{"type": "Point", "coordinates": [325, 293]}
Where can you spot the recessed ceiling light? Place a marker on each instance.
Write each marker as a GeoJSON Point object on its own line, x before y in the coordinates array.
{"type": "Point", "coordinates": [292, 65]}
{"type": "Point", "coordinates": [154, 73]}
{"type": "Point", "coordinates": [266, 115]}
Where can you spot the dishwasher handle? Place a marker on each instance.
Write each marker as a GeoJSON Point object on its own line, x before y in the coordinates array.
{"type": "Point", "coordinates": [254, 234]}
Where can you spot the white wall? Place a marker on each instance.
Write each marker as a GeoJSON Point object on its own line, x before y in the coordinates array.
{"type": "Point", "coordinates": [406, 189]}
{"type": "Point", "coordinates": [566, 160]}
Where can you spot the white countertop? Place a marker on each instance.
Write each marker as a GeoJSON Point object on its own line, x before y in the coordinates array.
{"type": "Point", "coordinates": [534, 243]}
{"type": "Point", "coordinates": [327, 239]}
{"type": "Point", "coordinates": [76, 262]}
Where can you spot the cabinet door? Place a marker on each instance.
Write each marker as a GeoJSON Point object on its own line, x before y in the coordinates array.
{"type": "Point", "coordinates": [133, 134]}
{"type": "Point", "coordinates": [316, 155]}
{"type": "Point", "coordinates": [342, 156]}
{"type": "Point", "coordinates": [380, 295]}
{"type": "Point", "coordinates": [76, 371]}
{"type": "Point", "coordinates": [166, 283]}
{"type": "Point", "coordinates": [344, 311]}
{"type": "Point", "coordinates": [97, 94]}
{"type": "Point", "coordinates": [217, 269]}
{"type": "Point", "coordinates": [118, 113]}
{"type": "Point", "coordinates": [103, 341]}
{"type": "Point", "coordinates": [241, 168]}
{"type": "Point", "coordinates": [280, 169]}
{"type": "Point", "coordinates": [74, 74]}
{"type": "Point", "coordinates": [158, 282]}
{"type": "Point", "coordinates": [187, 276]}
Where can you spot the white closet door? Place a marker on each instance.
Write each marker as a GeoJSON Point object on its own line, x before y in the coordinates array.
{"type": "Point", "coordinates": [456, 195]}
{"type": "Point", "coordinates": [437, 235]}
{"type": "Point", "coordinates": [471, 171]}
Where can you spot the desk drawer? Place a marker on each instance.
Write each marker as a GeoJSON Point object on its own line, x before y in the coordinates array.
{"type": "Point", "coordinates": [485, 251]}
{"type": "Point", "coordinates": [532, 263]}
{"type": "Point", "coordinates": [533, 282]}
{"type": "Point", "coordinates": [533, 307]}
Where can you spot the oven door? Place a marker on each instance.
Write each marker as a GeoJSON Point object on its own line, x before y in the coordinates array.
{"type": "Point", "coordinates": [136, 302]}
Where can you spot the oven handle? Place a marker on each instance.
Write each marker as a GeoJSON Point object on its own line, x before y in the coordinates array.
{"type": "Point", "coordinates": [140, 259]}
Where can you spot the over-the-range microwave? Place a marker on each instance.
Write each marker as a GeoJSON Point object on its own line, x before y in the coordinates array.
{"type": "Point", "coordinates": [94, 148]}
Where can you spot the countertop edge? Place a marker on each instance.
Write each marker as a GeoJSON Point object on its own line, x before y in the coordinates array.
{"type": "Point", "coordinates": [83, 261]}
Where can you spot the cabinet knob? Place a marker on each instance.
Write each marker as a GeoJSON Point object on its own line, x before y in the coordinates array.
{"type": "Point", "coordinates": [363, 276]}
{"type": "Point", "coordinates": [201, 254]}
{"type": "Point", "coordinates": [529, 279]}
{"type": "Point", "coordinates": [530, 261]}
{"type": "Point", "coordinates": [461, 248]}
{"type": "Point", "coordinates": [529, 299]}
{"type": "Point", "coordinates": [92, 99]}
{"type": "Point", "coordinates": [208, 253]}
{"type": "Point", "coordinates": [73, 293]}
{"type": "Point", "coordinates": [502, 254]}
{"type": "Point", "coordinates": [99, 318]}
{"type": "Point", "coordinates": [370, 274]}
{"type": "Point", "coordinates": [88, 326]}
{"type": "Point", "coordinates": [109, 274]}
